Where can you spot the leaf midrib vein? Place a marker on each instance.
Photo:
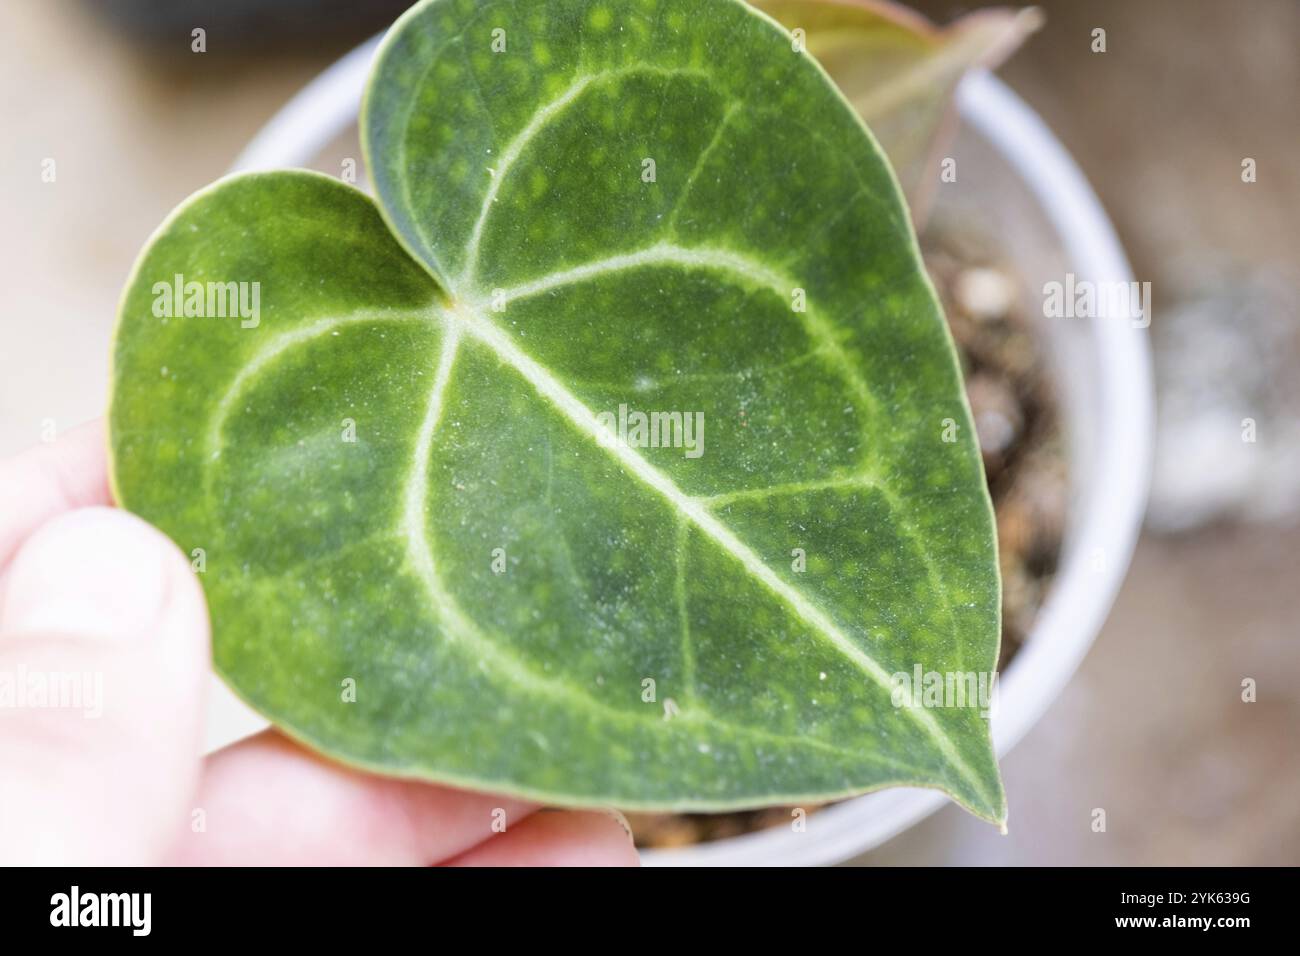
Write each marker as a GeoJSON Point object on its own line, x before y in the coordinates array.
{"type": "Point", "coordinates": [413, 530]}
{"type": "Point", "coordinates": [482, 329]}
{"type": "Point", "coordinates": [454, 323]}
{"type": "Point", "coordinates": [760, 274]}
{"type": "Point", "coordinates": [459, 320]}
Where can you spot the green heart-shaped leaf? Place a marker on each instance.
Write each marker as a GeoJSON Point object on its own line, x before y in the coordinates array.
{"type": "Point", "coordinates": [431, 545]}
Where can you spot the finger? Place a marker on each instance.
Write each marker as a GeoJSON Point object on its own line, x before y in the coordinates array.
{"type": "Point", "coordinates": [559, 838]}
{"type": "Point", "coordinates": [103, 663]}
{"type": "Point", "coordinates": [267, 801]}
{"type": "Point", "coordinates": [50, 479]}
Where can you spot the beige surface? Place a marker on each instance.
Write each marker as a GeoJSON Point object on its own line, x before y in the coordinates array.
{"type": "Point", "coordinates": [1153, 729]}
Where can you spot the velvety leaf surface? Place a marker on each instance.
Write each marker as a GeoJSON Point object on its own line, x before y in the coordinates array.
{"type": "Point", "coordinates": [521, 601]}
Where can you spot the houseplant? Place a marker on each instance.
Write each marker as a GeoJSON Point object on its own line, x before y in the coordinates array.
{"type": "Point", "coordinates": [164, 375]}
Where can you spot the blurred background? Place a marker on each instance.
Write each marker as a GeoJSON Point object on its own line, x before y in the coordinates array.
{"type": "Point", "coordinates": [1153, 727]}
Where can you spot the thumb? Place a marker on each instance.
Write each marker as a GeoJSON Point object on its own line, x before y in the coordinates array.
{"type": "Point", "coordinates": [103, 663]}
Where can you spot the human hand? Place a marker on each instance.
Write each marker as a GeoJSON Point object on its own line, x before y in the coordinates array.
{"type": "Point", "coordinates": [103, 608]}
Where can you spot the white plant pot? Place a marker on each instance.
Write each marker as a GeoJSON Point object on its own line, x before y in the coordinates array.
{"type": "Point", "coordinates": [1018, 184]}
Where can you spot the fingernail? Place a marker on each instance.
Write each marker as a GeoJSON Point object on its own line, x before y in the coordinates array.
{"type": "Point", "coordinates": [95, 572]}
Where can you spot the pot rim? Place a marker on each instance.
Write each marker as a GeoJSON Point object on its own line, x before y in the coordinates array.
{"type": "Point", "coordinates": [1107, 517]}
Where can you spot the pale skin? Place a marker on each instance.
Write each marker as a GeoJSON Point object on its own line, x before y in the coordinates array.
{"type": "Point", "coordinates": [87, 588]}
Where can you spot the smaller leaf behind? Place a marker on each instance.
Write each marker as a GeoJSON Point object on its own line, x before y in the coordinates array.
{"type": "Point", "coordinates": [901, 72]}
